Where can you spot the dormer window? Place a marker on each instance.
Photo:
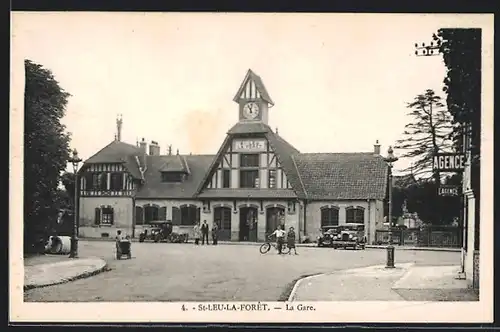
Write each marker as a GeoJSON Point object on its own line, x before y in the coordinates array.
{"type": "Point", "coordinates": [172, 177]}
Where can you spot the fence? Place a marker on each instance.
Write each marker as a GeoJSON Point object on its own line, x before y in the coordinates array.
{"type": "Point", "coordinates": [426, 237]}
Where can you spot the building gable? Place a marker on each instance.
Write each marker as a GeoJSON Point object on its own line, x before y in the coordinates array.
{"type": "Point", "coordinates": [252, 88]}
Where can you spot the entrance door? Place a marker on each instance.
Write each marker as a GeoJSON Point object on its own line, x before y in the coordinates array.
{"type": "Point", "coordinates": [248, 224]}
{"type": "Point", "coordinates": [222, 216]}
{"type": "Point", "coordinates": [274, 216]}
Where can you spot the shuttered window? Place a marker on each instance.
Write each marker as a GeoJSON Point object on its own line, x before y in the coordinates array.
{"type": "Point", "coordinates": [222, 216]}
{"type": "Point", "coordinates": [162, 213]}
{"type": "Point", "coordinates": [176, 216]}
{"type": "Point", "coordinates": [97, 216]}
{"type": "Point", "coordinates": [139, 215]}
{"type": "Point", "coordinates": [329, 216]}
{"type": "Point", "coordinates": [190, 215]}
{"type": "Point", "coordinates": [355, 215]}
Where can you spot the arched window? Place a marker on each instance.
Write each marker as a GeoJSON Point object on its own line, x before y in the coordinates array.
{"type": "Point", "coordinates": [190, 215]}
{"type": "Point", "coordinates": [355, 215]}
{"type": "Point", "coordinates": [176, 215]}
{"type": "Point", "coordinates": [151, 213]}
{"type": "Point", "coordinates": [139, 215]}
{"type": "Point", "coordinates": [329, 216]}
{"type": "Point", "coordinates": [222, 216]}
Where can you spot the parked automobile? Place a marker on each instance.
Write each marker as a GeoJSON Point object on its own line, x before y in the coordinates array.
{"type": "Point", "coordinates": [327, 235]}
{"type": "Point", "coordinates": [350, 235]}
{"type": "Point", "coordinates": [162, 231]}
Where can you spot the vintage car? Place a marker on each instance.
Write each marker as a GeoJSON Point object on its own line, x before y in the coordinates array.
{"type": "Point", "coordinates": [162, 231]}
{"type": "Point", "coordinates": [350, 235]}
{"type": "Point", "coordinates": [327, 235]}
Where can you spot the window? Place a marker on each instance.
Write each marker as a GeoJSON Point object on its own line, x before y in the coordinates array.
{"type": "Point", "coordinates": [272, 178]}
{"type": "Point", "coordinates": [190, 215]}
{"type": "Point", "coordinates": [150, 213]}
{"type": "Point", "coordinates": [222, 216]}
{"type": "Point", "coordinates": [329, 216]}
{"type": "Point", "coordinates": [116, 181]}
{"type": "Point", "coordinates": [249, 178]}
{"type": "Point", "coordinates": [93, 181]}
{"type": "Point", "coordinates": [226, 178]}
{"type": "Point", "coordinates": [139, 215]}
{"type": "Point", "coordinates": [249, 160]}
{"type": "Point", "coordinates": [176, 216]}
{"type": "Point", "coordinates": [103, 181]}
{"type": "Point", "coordinates": [104, 215]}
{"type": "Point", "coordinates": [355, 215]}
{"type": "Point", "coordinates": [172, 177]}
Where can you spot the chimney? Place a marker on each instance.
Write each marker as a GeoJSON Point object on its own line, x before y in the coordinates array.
{"type": "Point", "coordinates": [154, 149]}
{"type": "Point", "coordinates": [119, 123]}
{"type": "Point", "coordinates": [143, 145]}
{"type": "Point", "coordinates": [177, 151]}
{"type": "Point", "coordinates": [170, 150]}
{"type": "Point", "coordinates": [376, 148]}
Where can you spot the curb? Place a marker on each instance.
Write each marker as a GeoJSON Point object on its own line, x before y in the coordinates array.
{"type": "Point", "coordinates": [293, 293]}
{"type": "Point", "coordinates": [105, 268]}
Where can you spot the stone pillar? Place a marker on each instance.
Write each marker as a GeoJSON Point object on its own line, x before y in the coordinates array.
{"type": "Point", "coordinates": [261, 226]}
{"type": "Point", "coordinates": [235, 225]}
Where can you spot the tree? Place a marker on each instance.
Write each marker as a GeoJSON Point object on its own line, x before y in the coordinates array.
{"type": "Point", "coordinates": [46, 151]}
{"type": "Point", "coordinates": [427, 134]}
{"type": "Point", "coordinates": [461, 49]}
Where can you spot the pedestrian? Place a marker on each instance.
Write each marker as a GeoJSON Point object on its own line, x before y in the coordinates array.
{"type": "Point", "coordinates": [290, 238]}
{"type": "Point", "coordinates": [197, 234]}
{"type": "Point", "coordinates": [118, 239]}
{"type": "Point", "coordinates": [215, 235]}
{"type": "Point", "coordinates": [280, 236]}
{"type": "Point", "coordinates": [204, 232]}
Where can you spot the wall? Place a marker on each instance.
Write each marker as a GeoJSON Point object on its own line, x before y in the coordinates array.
{"type": "Point", "coordinates": [313, 216]}
{"type": "Point", "coordinates": [469, 254]}
{"type": "Point", "coordinates": [123, 213]}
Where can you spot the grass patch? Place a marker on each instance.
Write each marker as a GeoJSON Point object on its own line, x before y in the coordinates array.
{"type": "Point", "coordinates": [289, 287]}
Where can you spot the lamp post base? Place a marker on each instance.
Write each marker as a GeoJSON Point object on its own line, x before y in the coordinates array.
{"type": "Point", "coordinates": [390, 257]}
{"type": "Point", "coordinates": [74, 248]}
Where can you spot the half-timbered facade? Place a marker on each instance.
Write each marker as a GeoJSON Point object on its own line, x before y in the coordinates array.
{"type": "Point", "coordinates": [255, 182]}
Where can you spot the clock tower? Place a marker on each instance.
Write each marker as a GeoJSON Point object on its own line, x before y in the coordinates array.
{"type": "Point", "coordinates": [253, 100]}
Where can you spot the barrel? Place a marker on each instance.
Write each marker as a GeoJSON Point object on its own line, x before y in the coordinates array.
{"type": "Point", "coordinates": [59, 245]}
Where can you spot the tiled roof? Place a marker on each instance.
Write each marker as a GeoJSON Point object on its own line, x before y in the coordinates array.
{"type": "Point", "coordinates": [244, 193]}
{"type": "Point", "coordinates": [155, 188]}
{"type": "Point", "coordinates": [174, 164]}
{"type": "Point", "coordinates": [342, 175]}
{"type": "Point", "coordinates": [259, 84]}
{"type": "Point", "coordinates": [118, 152]}
{"type": "Point", "coordinates": [114, 152]}
{"type": "Point", "coordinates": [249, 127]}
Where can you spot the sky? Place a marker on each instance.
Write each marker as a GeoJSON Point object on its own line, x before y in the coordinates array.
{"type": "Point", "coordinates": [339, 81]}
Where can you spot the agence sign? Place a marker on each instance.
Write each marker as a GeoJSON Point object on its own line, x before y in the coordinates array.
{"type": "Point", "coordinates": [448, 190]}
{"type": "Point", "coordinates": [449, 162]}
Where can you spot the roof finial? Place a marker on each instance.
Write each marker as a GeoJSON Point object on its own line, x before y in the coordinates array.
{"type": "Point", "coordinates": [177, 151]}
{"type": "Point", "coordinates": [276, 130]}
{"type": "Point", "coordinates": [170, 149]}
{"type": "Point", "coordinates": [119, 123]}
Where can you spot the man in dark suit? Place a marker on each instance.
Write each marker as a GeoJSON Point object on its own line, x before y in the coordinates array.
{"type": "Point", "coordinates": [204, 232]}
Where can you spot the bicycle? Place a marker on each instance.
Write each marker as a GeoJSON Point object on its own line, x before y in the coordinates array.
{"type": "Point", "coordinates": [265, 247]}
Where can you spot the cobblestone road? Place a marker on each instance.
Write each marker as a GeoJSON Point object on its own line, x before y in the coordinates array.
{"type": "Point", "coordinates": [184, 272]}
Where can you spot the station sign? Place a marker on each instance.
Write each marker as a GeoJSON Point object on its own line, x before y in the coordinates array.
{"type": "Point", "coordinates": [449, 190]}
{"type": "Point", "coordinates": [449, 162]}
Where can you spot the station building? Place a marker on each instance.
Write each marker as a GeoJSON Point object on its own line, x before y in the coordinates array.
{"type": "Point", "coordinates": [255, 181]}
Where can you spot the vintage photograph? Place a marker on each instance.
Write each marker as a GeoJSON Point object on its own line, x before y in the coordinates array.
{"type": "Point", "coordinates": [224, 162]}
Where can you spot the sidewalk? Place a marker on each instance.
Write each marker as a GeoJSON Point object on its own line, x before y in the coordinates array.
{"type": "Point", "coordinates": [47, 274]}
{"type": "Point", "coordinates": [406, 282]}
{"type": "Point", "coordinates": [300, 245]}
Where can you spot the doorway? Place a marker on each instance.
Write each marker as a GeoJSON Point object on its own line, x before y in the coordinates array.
{"type": "Point", "coordinates": [248, 223]}
{"type": "Point", "coordinates": [274, 216]}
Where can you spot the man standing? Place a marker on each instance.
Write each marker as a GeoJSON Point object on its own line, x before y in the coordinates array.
{"type": "Point", "coordinates": [215, 235]}
{"type": "Point", "coordinates": [280, 237]}
{"type": "Point", "coordinates": [204, 232]}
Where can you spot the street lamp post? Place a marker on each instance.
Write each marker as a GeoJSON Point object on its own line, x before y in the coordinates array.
{"type": "Point", "coordinates": [390, 159]}
{"type": "Point", "coordinates": [75, 160]}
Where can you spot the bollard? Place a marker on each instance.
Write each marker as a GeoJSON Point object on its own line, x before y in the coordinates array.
{"type": "Point", "coordinates": [390, 257]}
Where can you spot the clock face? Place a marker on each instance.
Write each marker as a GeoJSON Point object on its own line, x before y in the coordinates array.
{"type": "Point", "coordinates": [251, 110]}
